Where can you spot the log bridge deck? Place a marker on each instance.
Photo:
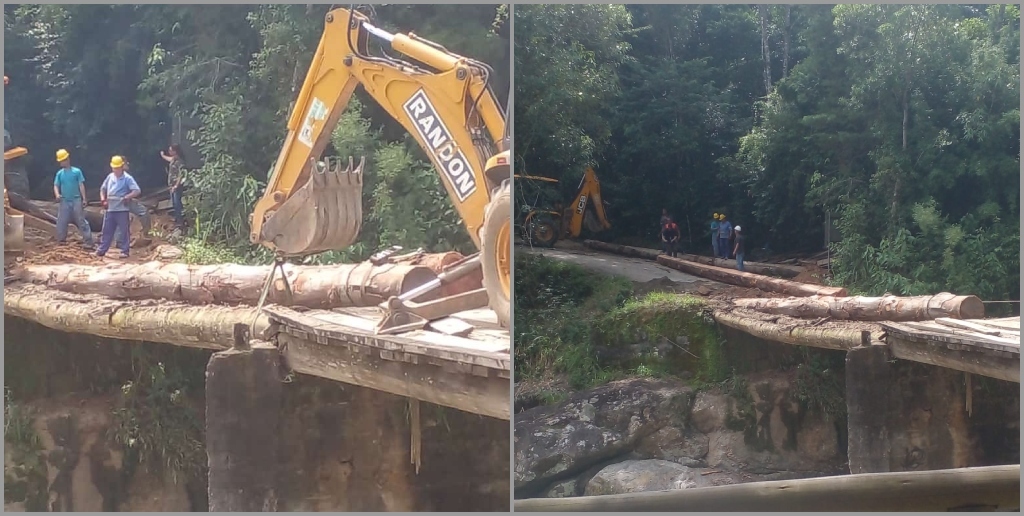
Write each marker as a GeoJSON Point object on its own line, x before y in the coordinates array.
{"type": "Point", "coordinates": [470, 373]}
{"type": "Point", "coordinates": [988, 347]}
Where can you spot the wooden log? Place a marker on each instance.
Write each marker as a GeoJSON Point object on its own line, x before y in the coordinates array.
{"type": "Point", "coordinates": [813, 336]}
{"type": "Point", "coordinates": [625, 250]}
{"type": "Point", "coordinates": [769, 269]}
{"type": "Point", "coordinates": [746, 279]}
{"type": "Point", "coordinates": [885, 308]}
{"type": "Point", "coordinates": [93, 214]}
{"type": "Point", "coordinates": [206, 327]}
{"type": "Point", "coordinates": [437, 263]}
{"type": "Point", "coordinates": [328, 286]}
{"type": "Point", "coordinates": [987, 488]}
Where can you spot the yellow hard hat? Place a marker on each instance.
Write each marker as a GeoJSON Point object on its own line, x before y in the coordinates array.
{"type": "Point", "coordinates": [116, 161]}
{"type": "Point", "coordinates": [721, 217]}
{"type": "Point", "coordinates": [715, 216]}
{"type": "Point", "coordinates": [62, 155]}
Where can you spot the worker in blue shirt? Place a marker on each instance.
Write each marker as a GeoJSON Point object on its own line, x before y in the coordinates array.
{"type": "Point", "coordinates": [69, 189]}
{"type": "Point", "coordinates": [116, 192]}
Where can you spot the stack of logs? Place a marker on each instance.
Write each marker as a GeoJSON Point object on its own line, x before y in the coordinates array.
{"type": "Point", "coordinates": [198, 306]}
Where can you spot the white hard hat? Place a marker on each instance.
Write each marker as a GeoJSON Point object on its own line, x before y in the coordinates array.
{"type": "Point", "coordinates": [739, 228]}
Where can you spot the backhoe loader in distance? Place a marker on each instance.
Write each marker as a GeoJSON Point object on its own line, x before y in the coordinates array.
{"type": "Point", "coordinates": [446, 103]}
{"type": "Point", "coordinates": [544, 227]}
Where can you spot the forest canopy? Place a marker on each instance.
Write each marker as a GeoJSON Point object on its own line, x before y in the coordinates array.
{"type": "Point", "coordinates": [122, 79]}
{"type": "Point", "coordinates": [900, 124]}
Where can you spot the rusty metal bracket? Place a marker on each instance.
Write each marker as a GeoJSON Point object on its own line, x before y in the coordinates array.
{"type": "Point", "coordinates": [402, 313]}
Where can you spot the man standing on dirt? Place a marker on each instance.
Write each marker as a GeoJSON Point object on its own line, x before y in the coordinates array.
{"type": "Point", "coordinates": [724, 233]}
{"type": "Point", "coordinates": [117, 190]}
{"type": "Point", "coordinates": [135, 208]}
{"type": "Point", "coordinates": [739, 248]}
{"type": "Point", "coordinates": [175, 177]}
{"type": "Point", "coordinates": [670, 237]}
{"type": "Point", "coordinates": [69, 189]}
{"type": "Point", "coordinates": [714, 235]}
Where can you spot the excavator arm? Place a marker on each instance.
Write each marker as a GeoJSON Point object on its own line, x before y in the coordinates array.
{"type": "Point", "coordinates": [445, 102]}
{"type": "Point", "coordinates": [589, 193]}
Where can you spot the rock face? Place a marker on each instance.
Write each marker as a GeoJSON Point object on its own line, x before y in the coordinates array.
{"type": "Point", "coordinates": [558, 442]}
{"type": "Point", "coordinates": [84, 468]}
{"type": "Point", "coordinates": [647, 435]}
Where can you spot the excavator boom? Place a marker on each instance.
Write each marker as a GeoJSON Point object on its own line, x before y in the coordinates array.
{"type": "Point", "coordinates": [444, 101]}
{"type": "Point", "coordinates": [589, 193]}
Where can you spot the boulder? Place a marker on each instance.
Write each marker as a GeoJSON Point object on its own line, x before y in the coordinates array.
{"type": "Point", "coordinates": [557, 442]}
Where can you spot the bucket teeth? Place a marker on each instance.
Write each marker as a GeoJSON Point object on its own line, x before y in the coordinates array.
{"type": "Point", "coordinates": [324, 214]}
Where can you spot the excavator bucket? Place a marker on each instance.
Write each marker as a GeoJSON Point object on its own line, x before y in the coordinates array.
{"type": "Point", "coordinates": [325, 214]}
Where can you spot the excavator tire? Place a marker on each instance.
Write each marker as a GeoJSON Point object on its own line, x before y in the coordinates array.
{"type": "Point", "coordinates": [496, 255]}
{"type": "Point", "coordinates": [543, 232]}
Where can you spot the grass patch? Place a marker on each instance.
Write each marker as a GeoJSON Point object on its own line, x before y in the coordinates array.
{"type": "Point", "coordinates": [555, 304]}
{"type": "Point", "coordinates": [586, 328]}
{"type": "Point", "coordinates": [683, 321]}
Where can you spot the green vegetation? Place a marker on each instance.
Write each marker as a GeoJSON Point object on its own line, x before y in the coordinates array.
{"type": "Point", "coordinates": [567, 318]}
{"type": "Point", "coordinates": [898, 123]}
{"type": "Point", "coordinates": [114, 79]}
{"type": "Point", "coordinates": [24, 465]}
{"type": "Point", "coordinates": [157, 421]}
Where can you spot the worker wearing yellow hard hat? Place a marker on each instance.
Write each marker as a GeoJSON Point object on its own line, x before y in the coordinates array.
{"type": "Point", "coordinates": [724, 235]}
{"type": "Point", "coordinates": [116, 192]}
{"type": "Point", "coordinates": [69, 190]}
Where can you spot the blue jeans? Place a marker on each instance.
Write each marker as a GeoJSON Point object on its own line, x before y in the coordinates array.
{"type": "Point", "coordinates": [113, 221]}
{"type": "Point", "coordinates": [179, 208]}
{"type": "Point", "coordinates": [72, 210]}
{"type": "Point", "coordinates": [135, 208]}
{"type": "Point", "coordinates": [714, 245]}
{"type": "Point", "coordinates": [723, 247]}
{"type": "Point", "coordinates": [739, 262]}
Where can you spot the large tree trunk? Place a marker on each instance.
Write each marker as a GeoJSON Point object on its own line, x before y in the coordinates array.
{"type": "Point", "coordinates": [328, 286]}
{"type": "Point", "coordinates": [625, 250]}
{"type": "Point", "coordinates": [206, 327]}
{"type": "Point", "coordinates": [769, 269]}
{"type": "Point", "coordinates": [746, 279]}
{"type": "Point", "coordinates": [812, 336]}
{"type": "Point", "coordinates": [785, 40]}
{"type": "Point", "coordinates": [886, 308]}
{"type": "Point", "coordinates": [766, 54]}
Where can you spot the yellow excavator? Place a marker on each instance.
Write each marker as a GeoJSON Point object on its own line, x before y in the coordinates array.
{"type": "Point", "coordinates": [543, 227]}
{"type": "Point", "coordinates": [16, 179]}
{"type": "Point", "coordinates": [445, 101]}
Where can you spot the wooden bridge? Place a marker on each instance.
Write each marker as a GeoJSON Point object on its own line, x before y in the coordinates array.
{"type": "Point", "coordinates": [987, 347]}
{"type": "Point", "coordinates": [470, 372]}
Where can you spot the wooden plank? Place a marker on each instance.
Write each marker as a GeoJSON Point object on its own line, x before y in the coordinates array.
{"type": "Point", "coordinates": [420, 342]}
{"type": "Point", "coordinates": [488, 396]}
{"type": "Point", "coordinates": [969, 361]}
{"type": "Point", "coordinates": [451, 326]}
{"type": "Point", "coordinates": [966, 325]}
{"type": "Point", "coordinates": [449, 341]}
{"type": "Point", "coordinates": [1008, 323]}
{"type": "Point", "coordinates": [988, 488]}
{"type": "Point", "coordinates": [951, 336]}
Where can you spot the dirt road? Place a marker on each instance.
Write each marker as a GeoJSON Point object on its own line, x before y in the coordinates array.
{"type": "Point", "coordinates": [634, 269]}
